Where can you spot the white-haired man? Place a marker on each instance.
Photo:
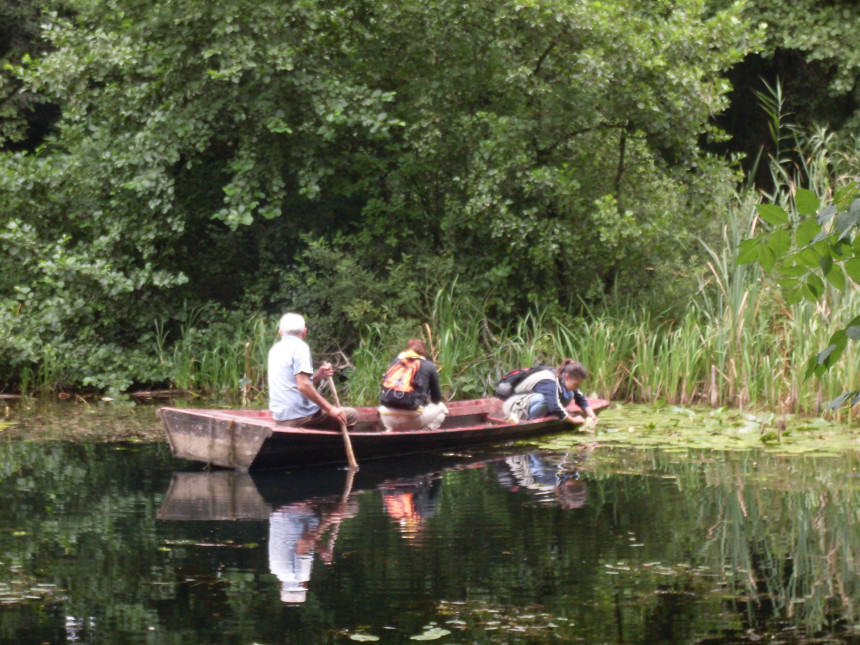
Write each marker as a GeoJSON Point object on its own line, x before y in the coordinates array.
{"type": "Point", "coordinates": [293, 398]}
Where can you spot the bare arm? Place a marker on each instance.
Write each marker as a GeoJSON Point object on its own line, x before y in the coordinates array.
{"type": "Point", "coordinates": [306, 387]}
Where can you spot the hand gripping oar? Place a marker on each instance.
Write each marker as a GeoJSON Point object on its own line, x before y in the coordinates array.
{"type": "Point", "coordinates": [350, 456]}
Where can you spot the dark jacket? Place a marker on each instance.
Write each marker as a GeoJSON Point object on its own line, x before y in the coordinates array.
{"type": "Point", "coordinates": [426, 383]}
{"type": "Point", "coordinates": [557, 397]}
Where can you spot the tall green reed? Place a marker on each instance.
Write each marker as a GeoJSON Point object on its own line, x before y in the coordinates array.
{"type": "Point", "coordinates": [222, 360]}
{"type": "Point", "coordinates": [735, 344]}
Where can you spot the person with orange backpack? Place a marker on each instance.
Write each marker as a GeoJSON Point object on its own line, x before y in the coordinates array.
{"type": "Point", "coordinates": [410, 397]}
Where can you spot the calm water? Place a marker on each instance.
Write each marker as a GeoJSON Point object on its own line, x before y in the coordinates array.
{"type": "Point", "coordinates": [121, 544]}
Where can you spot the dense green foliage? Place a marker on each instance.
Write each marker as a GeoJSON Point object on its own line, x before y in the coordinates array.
{"type": "Point", "coordinates": [822, 33]}
{"type": "Point", "coordinates": [19, 39]}
{"type": "Point", "coordinates": [215, 164]}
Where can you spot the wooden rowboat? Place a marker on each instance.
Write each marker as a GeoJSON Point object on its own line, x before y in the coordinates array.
{"type": "Point", "coordinates": [245, 439]}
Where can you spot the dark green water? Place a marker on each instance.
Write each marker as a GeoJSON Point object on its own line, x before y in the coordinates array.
{"type": "Point", "coordinates": [107, 543]}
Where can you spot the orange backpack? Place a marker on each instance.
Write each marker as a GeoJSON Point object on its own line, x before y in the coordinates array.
{"type": "Point", "coordinates": [398, 388]}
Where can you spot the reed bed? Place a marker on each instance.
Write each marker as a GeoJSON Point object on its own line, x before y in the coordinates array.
{"type": "Point", "coordinates": [747, 350]}
{"type": "Point", "coordinates": [735, 344]}
{"type": "Point", "coordinates": [223, 362]}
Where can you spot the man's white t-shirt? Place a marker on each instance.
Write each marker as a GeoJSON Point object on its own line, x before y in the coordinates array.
{"type": "Point", "coordinates": [288, 357]}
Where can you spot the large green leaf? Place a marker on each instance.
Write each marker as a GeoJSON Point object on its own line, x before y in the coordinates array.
{"type": "Point", "coordinates": [836, 277]}
{"type": "Point", "coordinates": [772, 214]}
{"type": "Point", "coordinates": [816, 285]}
{"type": "Point", "coordinates": [839, 400]}
{"type": "Point", "coordinates": [806, 201]}
{"type": "Point", "coordinates": [845, 222]}
{"type": "Point", "coordinates": [788, 283]}
{"type": "Point", "coordinates": [779, 242]}
{"type": "Point", "coordinates": [807, 230]}
{"type": "Point", "coordinates": [793, 270]}
{"type": "Point", "coordinates": [766, 257]}
{"type": "Point", "coordinates": [748, 251]}
{"type": "Point", "coordinates": [826, 214]}
{"type": "Point", "coordinates": [809, 257]}
{"type": "Point", "coordinates": [825, 353]}
{"type": "Point", "coordinates": [793, 296]}
{"type": "Point", "coordinates": [852, 268]}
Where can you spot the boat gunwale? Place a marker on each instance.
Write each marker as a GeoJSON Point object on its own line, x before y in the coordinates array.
{"type": "Point", "coordinates": [268, 422]}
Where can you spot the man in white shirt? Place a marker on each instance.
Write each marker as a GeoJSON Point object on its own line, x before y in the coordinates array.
{"type": "Point", "coordinates": [293, 398]}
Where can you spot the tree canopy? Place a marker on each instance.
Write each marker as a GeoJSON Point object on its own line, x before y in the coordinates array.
{"type": "Point", "coordinates": [346, 158]}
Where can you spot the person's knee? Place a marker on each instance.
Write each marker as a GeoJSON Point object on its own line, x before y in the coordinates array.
{"type": "Point", "coordinates": [538, 407]}
{"type": "Point", "coordinates": [351, 416]}
{"type": "Point", "coordinates": [538, 411]}
{"type": "Point", "coordinates": [434, 415]}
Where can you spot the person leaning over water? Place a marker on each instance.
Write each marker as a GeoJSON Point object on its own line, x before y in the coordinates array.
{"type": "Point", "coordinates": [293, 398]}
{"type": "Point", "coordinates": [423, 410]}
{"type": "Point", "coordinates": [547, 393]}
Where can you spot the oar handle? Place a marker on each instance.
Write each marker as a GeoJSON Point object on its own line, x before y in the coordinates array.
{"type": "Point", "coordinates": [333, 391]}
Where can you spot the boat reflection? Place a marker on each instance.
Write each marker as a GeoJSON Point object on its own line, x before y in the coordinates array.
{"type": "Point", "coordinates": [299, 529]}
{"type": "Point", "coordinates": [305, 510]}
{"type": "Point", "coordinates": [219, 495]}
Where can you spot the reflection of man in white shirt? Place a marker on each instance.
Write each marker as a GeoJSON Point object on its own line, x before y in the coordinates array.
{"type": "Point", "coordinates": [293, 398]}
{"type": "Point", "coordinates": [291, 549]}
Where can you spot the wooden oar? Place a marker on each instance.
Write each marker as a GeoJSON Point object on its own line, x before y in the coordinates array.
{"type": "Point", "coordinates": [350, 456]}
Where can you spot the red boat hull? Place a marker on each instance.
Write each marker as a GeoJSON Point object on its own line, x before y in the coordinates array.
{"type": "Point", "coordinates": [245, 439]}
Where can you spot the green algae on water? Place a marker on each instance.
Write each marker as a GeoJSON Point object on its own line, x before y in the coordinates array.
{"type": "Point", "coordinates": [668, 427]}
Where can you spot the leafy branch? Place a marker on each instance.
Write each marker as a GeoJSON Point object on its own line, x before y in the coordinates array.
{"type": "Point", "coordinates": [819, 245]}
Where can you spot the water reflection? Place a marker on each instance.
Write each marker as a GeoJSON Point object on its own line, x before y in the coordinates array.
{"type": "Point", "coordinates": [297, 531]}
{"type": "Point", "coordinates": [105, 544]}
{"type": "Point", "coordinates": [552, 479]}
{"type": "Point", "coordinates": [411, 502]}
{"type": "Point", "coordinates": [304, 529]}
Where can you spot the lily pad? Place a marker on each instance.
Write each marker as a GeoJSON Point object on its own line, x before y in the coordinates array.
{"type": "Point", "coordinates": [431, 634]}
{"type": "Point", "coordinates": [643, 426]}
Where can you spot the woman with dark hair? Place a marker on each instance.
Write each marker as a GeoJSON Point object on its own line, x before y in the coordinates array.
{"type": "Point", "coordinates": [547, 393]}
{"type": "Point", "coordinates": [410, 397]}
